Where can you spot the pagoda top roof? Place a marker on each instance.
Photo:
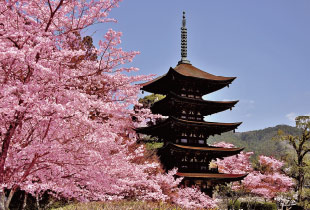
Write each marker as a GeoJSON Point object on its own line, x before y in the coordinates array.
{"type": "Point", "coordinates": [207, 82]}
{"type": "Point", "coordinates": [189, 70]}
{"type": "Point", "coordinates": [212, 175]}
{"type": "Point", "coordinates": [209, 148]}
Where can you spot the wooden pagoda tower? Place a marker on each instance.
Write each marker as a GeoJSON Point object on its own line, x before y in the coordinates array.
{"type": "Point", "coordinates": [185, 132]}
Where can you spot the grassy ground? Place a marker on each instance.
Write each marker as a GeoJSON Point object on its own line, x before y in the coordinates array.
{"type": "Point", "coordinates": [121, 205]}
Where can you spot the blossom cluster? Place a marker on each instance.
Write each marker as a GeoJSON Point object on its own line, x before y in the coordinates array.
{"type": "Point", "coordinates": [267, 181]}
{"type": "Point", "coordinates": [66, 118]}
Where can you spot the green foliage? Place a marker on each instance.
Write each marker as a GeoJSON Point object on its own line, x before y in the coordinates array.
{"type": "Point", "coordinates": [235, 205]}
{"type": "Point", "coordinates": [259, 141]}
{"type": "Point", "coordinates": [153, 145]}
{"type": "Point", "coordinates": [149, 100]}
{"type": "Point", "coordinates": [306, 198]}
{"type": "Point", "coordinates": [258, 206]}
{"type": "Point", "coordinates": [298, 159]}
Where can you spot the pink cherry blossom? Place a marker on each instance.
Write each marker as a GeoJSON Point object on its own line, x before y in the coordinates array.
{"type": "Point", "coordinates": [66, 107]}
{"type": "Point", "coordinates": [223, 144]}
{"type": "Point", "coordinates": [271, 164]}
{"type": "Point", "coordinates": [266, 182]}
{"type": "Point", "coordinates": [236, 164]}
{"type": "Point", "coordinates": [193, 198]}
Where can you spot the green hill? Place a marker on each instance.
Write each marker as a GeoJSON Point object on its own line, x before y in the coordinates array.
{"type": "Point", "coordinates": [259, 141]}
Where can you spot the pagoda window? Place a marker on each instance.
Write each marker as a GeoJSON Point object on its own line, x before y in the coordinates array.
{"type": "Point", "coordinates": [184, 159]}
{"type": "Point", "coordinates": [184, 134]}
{"type": "Point", "coordinates": [204, 168]}
{"type": "Point", "coordinates": [201, 141]}
{"type": "Point", "coordinates": [183, 94]}
{"type": "Point", "coordinates": [183, 114]}
{"type": "Point", "coordinates": [177, 141]}
{"type": "Point", "coordinates": [198, 113]}
{"type": "Point", "coordinates": [199, 118]}
{"type": "Point", "coordinates": [191, 96]}
{"type": "Point", "coordinates": [197, 96]}
{"type": "Point", "coordinates": [184, 141]}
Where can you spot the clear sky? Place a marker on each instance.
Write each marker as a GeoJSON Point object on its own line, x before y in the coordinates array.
{"type": "Point", "coordinates": [264, 43]}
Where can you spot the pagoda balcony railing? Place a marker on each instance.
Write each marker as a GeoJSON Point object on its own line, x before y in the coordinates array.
{"type": "Point", "coordinates": [197, 169]}
{"type": "Point", "coordinates": [191, 118]}
{"type": "Point", "coordinates": [191, 142]}
{"type": "Point", "coordinates": [190, 95]}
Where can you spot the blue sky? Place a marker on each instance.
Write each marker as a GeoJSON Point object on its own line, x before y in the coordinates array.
{"type": "Point", "coordinates": [264, 43]}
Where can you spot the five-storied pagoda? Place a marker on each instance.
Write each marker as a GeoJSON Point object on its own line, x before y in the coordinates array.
{"type": "Point", "coordinates": [185, 132]}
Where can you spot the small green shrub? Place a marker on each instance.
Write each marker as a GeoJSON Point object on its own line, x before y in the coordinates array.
{"type": "Point", "coordinates": [236, 205]}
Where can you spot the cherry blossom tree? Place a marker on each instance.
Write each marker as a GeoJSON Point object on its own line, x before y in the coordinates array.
{"type": "Point", "coordinates": [193, 198]}
{"type": "Point", "coordinates": [236, 164]}
{"type": "Point", "coordinates": [265, 180]}
{"type": "Point", "coordinates": [268, 180]}
{"type": "Point", "coordinates": [65, 118]}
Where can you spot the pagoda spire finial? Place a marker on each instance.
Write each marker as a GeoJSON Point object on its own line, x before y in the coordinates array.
{"type": "Point", "coordinates": [183, 42]}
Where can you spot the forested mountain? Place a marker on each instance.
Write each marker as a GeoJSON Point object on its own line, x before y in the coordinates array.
{"type": "Point", "coordinates": [258, 141]}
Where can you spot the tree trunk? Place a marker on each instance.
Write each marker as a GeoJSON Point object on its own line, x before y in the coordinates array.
{"type": "Point", "coordinates": [25, 201]}
{"type": "Point", "coordinates": [300, 188]}
{"type": "Point", "coordinates": [300, 179]}
{"type": "Point", "coordinates": [8, 201]}
{"type": "Point", "coordinates": [38, 202]}
{"type": "Point", "coordinates": [2, 199]}
{"type": "Point", "coordinates": [6, 142]}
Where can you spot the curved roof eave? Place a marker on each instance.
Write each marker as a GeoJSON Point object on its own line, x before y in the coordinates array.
{"type": "Point", "coordinates": [212, 175]}
{"type": "Point", "coordinates": [209, 148]}
{"type": "Point", "coordinates": [189, 70]}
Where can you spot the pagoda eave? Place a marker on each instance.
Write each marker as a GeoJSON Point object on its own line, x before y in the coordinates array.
{"type": "Point", "coordinates": [210, 150]}
{"type": "Point", "coordinates": [206, 107]}
{"type": "Point", "coordinates": [191, 71]}
{"type": "Point", "coordinates": [170, 125]}
{"type": "Point", "coordinates": [157, 85]}
{"type": "Point", "coordinates": [224, 127]}
{"type": "Point", "coordinates": [207, 82]}
{"type": "Point", "coordinates": [213, 176]}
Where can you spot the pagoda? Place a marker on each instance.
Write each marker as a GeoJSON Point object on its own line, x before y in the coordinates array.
{"type": "Point", "coordinates": [185, 133]}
